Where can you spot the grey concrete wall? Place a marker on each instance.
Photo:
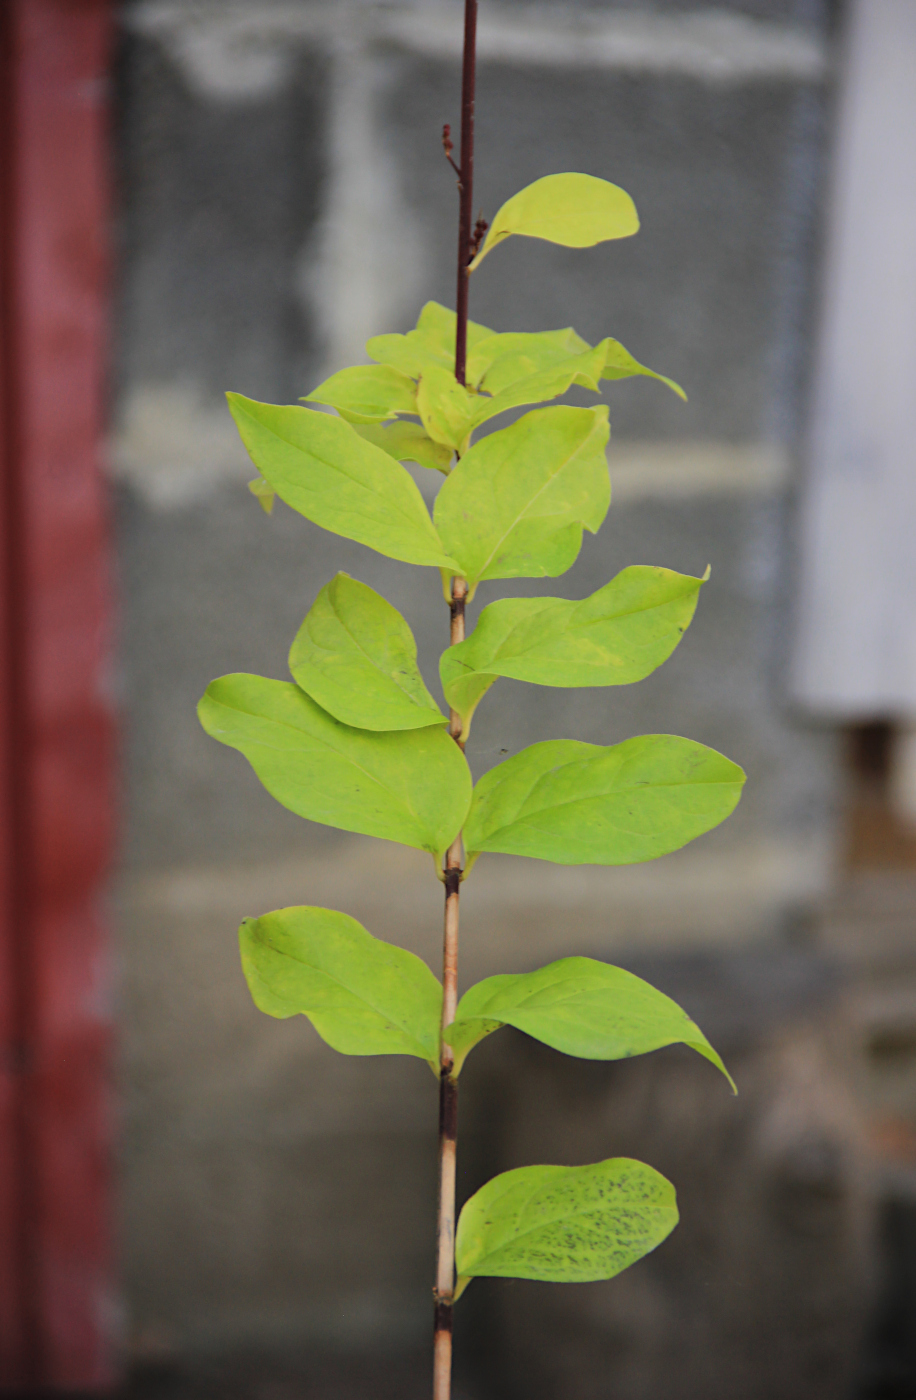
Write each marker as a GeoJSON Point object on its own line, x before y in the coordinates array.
{"type": "Point", "coordinates": [283, 197]}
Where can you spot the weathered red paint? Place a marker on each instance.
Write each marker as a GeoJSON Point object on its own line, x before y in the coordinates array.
{"type": "Point", "coordinates": [56, 729]}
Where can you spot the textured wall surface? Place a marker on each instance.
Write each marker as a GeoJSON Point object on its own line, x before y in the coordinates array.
{"type": "Point", "coordinates": [283, 196]}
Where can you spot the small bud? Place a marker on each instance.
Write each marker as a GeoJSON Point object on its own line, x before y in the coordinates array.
{"type": "Point", "coordinates": [480, 229]}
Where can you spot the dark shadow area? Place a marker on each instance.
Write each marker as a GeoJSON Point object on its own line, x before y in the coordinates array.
{"type": "Point", "coordinates": [890, 1370]}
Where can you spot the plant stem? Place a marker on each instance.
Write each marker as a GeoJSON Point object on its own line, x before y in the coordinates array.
{"type": "Point", "coordinates": [466, 184]}
{"type": "Point", "coordinates": [448, 1085]}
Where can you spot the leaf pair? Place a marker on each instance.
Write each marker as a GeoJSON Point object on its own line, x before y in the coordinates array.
{"type": "Point", "coordinates": [357, 657]}
{"type": "Point", "coordinates": [515, 506]}
{"type": "Point", "coordinates": [562, 800]}
{"type": "Point", "coordinates": [359, 742]}
{"type": "Point", "coordinates": [511, 370]}
{"type": "Point", "coordinates": [368, 997]}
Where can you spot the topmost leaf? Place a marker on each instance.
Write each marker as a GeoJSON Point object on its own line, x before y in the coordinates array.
{"type": "Point", "coordinates": [575, 210]}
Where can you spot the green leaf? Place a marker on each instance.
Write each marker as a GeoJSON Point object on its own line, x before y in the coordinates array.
{"type": "Point", "coordinates": [581, 804]}
{"type": "Point", "coordinates": [450, 412]}
{"type": "Point", "coordinates": [446, 408]}
{"type": "Point", "coordinates": [619, 364]}
{"type": "Point", "coordinates": [410, 353]}
{"type": "Point", "coordinates": [437, 324]}
{"type": "Point", "coordinates": [355, 655]}
{"type": "Point", "coordinates": [516, 504]}
{"type": "Point", "coordinates": [432, 343]}
{"type": "Point", "coordinates": [500, 360]}
{"type": "Point", "coordinates": [363, 996]}
{"type": "Point", "coordinates": [321, 467]}
{"type": "Point", "coordinates": [464, 688]}
{"type": "Point", "coordinates": [548, 383]}
{"type": "Point", "coordinates": [412, 786]}
{"type": "Point", "coordinates": [263, 493]}
{"type": "Point", "coordinates": [407, 442]}
{"type": "Point", "coordinates": [575, 210]}
{"type": "Point", "coordinates": [367, 393]}
{"type": "Point", "coordinates": [564, 1224]}
{"type": "Point", "coordinates": [581, 1007]}
{"type": "Point", "coordinates": [618, 635]}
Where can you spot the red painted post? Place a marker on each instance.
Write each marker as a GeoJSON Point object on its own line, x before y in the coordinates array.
{"type": "Point", "coordinates": [56, 731]}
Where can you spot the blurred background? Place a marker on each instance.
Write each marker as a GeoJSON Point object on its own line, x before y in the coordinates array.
{"type": "Point", "coordinates": [202, 195]}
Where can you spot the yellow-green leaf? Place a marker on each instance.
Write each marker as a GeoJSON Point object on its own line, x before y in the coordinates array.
{"type": "Point", "coordinates": [263, 493]}
{"type": "Point", "coordinates": [321, 467]}
{"type": "Point", "coordinates": [431, 343]}
{"type": "Point", "coordinates": [550, 383]}
{"type": "Point", "coordinates": [517, 502]}
{"type": "Point", "coordinates": [584, 804]}
{"type": "Point", "coordinates": [575, 210]}
{"type": "Point", "coordinates": [363, 996]}
{"type": "Point", "coordinates": [446, 407]}
{"type": "Point", "coordinates": [564, 1224]}
{"type": "Point", "coordinates": [615, 637]}
{"type": "Point", "coordinates": [619, 364]}
{"type": "Point", "coordinates": [581, 1007]}
{"type": "Point", "coordinates": [501, 360]}
{"type": "Point", "coordinates": [355, 655]}
{"type": "Point", "coordinates": [367, 393]}
{"type": "Point", "coordinates": [437, 325]}
{"type": "Point", "coordinates": [407, 442]}
{"type": "Point", "coordinates": [412, 786]}
{"type": "Point", "coordinates": [410, 353]}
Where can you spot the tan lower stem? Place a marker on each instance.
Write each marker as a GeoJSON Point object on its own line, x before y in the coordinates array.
{"type": "Point", "coordinates": [442, 1353]}
{"type": "Point", "coordinates": [448, 1085]}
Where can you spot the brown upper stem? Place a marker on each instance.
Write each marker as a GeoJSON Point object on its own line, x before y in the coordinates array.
{"type": "Point", "coordinates": [466, 185]}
